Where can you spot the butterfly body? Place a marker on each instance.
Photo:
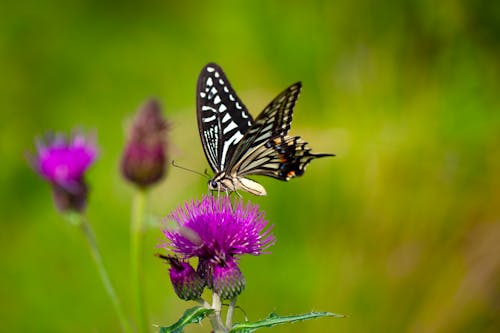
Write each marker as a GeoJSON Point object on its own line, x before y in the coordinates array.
{"type": "Point", "coordinates": [236, 146]}
{"type": "Point", "coordinates": [232, 183]}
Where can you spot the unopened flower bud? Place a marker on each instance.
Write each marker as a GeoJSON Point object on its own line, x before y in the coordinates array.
{"type": "Point", "coordinates": [144, 158]}
{"type": "Point", "coordinates": [70, 199]}
{"type": "Point", "coordinates": [228, 281]}
{"type": "Point", "coordinates": [188, 285]}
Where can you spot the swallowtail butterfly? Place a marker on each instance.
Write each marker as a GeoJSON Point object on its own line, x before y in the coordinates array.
{"type": "Point", "coordinates": [236, 145]}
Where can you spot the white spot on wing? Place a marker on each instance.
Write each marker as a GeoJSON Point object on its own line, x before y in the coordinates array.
{"type": "Point", "coordinates": [222, 108]}
{"type": "Point", "coordinates": [210, 69]}
{"type": "Point", "coordinates": [217, 99]}
{"type": "Point", "coordinates": [238, 106]}
{"type": "Point", "coordinates": [232, 125]}
{"type": "Point", "coordinates": [212, 93]}
{"type": "Point", "coordinates": [226, 118]}
{"type": "Point", "coordinates": [202, 94]}
{"type": "Point", "coordinates": [231, 97]}
{"type": "Point", "coordinates": [207, 108]}
{"type": "Point", "coordinates": [232, 141]}
{"type": "Point", "coordinates": [209, 119]}
{"type": "Point", "coordinates": [210, 82]}
{"type": "Point", "coordinates": [216, 75]}
{"type": "Point", "coordinates": [267, 128]}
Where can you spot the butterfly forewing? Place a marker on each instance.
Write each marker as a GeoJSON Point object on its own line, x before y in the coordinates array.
{"type": "Point", "coordinates": [222, 118]}
{"type": "Point", "coordinates": [271, 123]}
{"type": "Point", "coordinates": [266, 149]}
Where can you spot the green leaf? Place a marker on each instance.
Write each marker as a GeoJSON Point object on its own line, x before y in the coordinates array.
{"type": "Point", "coordinates": [274, 319]}
{"type": "Point", "coordinates": [190, 316]}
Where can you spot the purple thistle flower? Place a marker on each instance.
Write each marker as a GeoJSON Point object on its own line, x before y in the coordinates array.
{"type": "Point", "coordinates": [217, 232]}
{"type": "Point", "coordinates": [63, 161]}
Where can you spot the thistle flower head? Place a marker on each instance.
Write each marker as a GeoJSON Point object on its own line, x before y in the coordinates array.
{"type": "Point", "coordinates": [217, 232]}
{"type": "Point", "coordinates": [144, 158]}
{"type": "Point", "coordinates": [63, 162]}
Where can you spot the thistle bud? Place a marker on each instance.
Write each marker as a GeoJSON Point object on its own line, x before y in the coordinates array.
{"type": "Point", "coordinates": [188, 285]}
{"type": "Point", "coordinates": [70, 199]}
{"type": "Point", "coordinates": [228, 281]}
{"type": "Point", "coordinates": [144, 158]}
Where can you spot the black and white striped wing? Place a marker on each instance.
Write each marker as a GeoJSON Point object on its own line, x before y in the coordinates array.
{"type": "Point", "coordinates": [266, 149]}
{"type": "Point", "coordinates": [282, 158]}
{"type": "Point", "coordinates": [271, 123]}
{"type": "Point", "coordinates": [223, 119]}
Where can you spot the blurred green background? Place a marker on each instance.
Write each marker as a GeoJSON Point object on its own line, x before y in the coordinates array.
{"type": "Point", "coordinates": [400, 231]}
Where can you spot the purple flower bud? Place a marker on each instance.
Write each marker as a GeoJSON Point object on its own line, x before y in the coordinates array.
{"type": "Point", "coordinates": [144, 159]}
{"type": "Point", "coordinates": [63, 162]}
{"type": "Point", "coordinates": [74, 199]}
{"type": "Point", "coordinates": [188, 285]}
{"type": "Point", "coordinates": [228, 281]}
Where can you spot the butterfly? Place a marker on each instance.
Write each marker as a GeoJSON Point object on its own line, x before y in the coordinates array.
{"type": "Point", "coordinates": [237, 146]}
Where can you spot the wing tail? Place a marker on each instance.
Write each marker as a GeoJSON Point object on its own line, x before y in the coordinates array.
{"type": "Point", "coordinates": [282, 158]}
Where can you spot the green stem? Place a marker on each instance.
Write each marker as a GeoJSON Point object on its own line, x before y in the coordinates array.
{"type": "Point", "coordinates": [230, 312]}
{"type": "Point", "coordinates": [137, 258]}
{"type": "Point", "coordinates": [215, 318]}
{"type": "Point", "coordinates": [96, 254]}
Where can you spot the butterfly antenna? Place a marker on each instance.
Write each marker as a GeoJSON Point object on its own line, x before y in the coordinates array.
{"type": "Point", "coordinates": [205, 174]}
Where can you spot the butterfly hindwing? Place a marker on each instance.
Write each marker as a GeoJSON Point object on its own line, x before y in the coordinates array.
{"type": "Point", "coordinates": [222, 118]}
{"type": "Point", "coordinates": [282, 158]}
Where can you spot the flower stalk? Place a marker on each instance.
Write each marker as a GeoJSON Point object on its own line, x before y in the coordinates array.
{"type": "Point", "coordinates": [230, 312]}
{"type": "Point", "coordinates": [216, 319]}
{"type": "Point", "coordinates": [108, 286]}
{"type": "Point", "coordinates": [137, 257]}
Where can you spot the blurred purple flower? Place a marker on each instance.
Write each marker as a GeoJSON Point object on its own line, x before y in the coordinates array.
{"type": "Point", "coordinates": [63, 161]}
{"type": "Point", "coordinates": [144, 158]}
{"type": "Point", "coordinates": [217, 232]}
